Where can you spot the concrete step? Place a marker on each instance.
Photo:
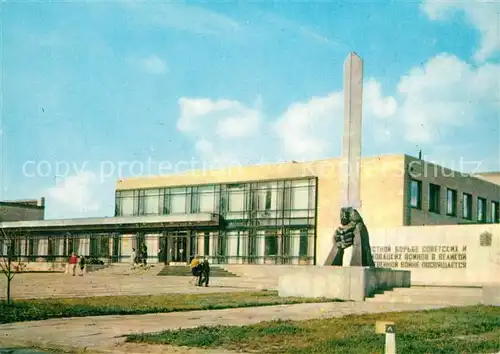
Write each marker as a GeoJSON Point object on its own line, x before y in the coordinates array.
{"type": "Point", "coordinates": [431, 295]}
{"type": "Point", "coordinates": [439, 290]}
{"type": "Point", "coordinates": [438, 301]}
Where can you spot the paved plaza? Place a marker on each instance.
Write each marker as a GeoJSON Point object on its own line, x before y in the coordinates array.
{"type": "Point", "coordinates": [106, 333]}
{"type": "Point", "coordinates": [120, 281]}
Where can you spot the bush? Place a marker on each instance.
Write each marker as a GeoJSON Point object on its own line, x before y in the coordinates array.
{"type": "Point", "coordinates": [95, 261]}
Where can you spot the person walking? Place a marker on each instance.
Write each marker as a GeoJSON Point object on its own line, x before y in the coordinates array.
{"type": "Point", "coordinates": [82, 265]}
{"type": "Point", "coordinates": [133, 258]}
{"type": "Point", "coordinates": [195, 269]}
{"type": "Point", "coordinates": [205, 273]}
{"type": "Point", "coordinates": [144, 254]}
{"type": "Point", "coordinates": [73, 261]}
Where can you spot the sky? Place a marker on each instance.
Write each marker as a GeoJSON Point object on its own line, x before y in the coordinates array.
{"type": "Point", "coordinates": [92, 92]}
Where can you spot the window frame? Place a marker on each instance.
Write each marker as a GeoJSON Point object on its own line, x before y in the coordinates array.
{"type": "Point", "coordinates": [418, 183]}
{"type": "Point", "coordinates": [466, 205]}
{"type": "Point", "coordinates": [484, 203]}
{"type": "Point", "coordinates": [454, 202]}
{"type": "Point", "coordinates": [431, 207]}
{"type": "Point", "coordinates": [494, 211]}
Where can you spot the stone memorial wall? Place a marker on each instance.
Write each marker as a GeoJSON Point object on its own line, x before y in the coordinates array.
{"type": "Point", "coordinates": [441, 255]}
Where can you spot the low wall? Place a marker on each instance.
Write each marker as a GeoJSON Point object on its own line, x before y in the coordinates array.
{"type": "Point", "coordinates": [345, 283]}
{"type": "Point", "coordinates": [458, 255]}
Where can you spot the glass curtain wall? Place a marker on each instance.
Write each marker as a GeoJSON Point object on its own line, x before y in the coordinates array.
{"type": "Point", "coordinates": [268, 222]}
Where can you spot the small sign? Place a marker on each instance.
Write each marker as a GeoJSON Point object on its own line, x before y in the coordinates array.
{"type": "Point", "coordinates": [381, 326]}
{"type": "Point", "coordinates": [390, 328]}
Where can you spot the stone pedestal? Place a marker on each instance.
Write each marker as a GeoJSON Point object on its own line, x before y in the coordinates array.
{"type": "Point", "coordinates": [345, 283]}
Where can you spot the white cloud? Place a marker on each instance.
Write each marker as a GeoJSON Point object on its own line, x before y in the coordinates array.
{"type": "Point", "coordinates": [153, 65]}
{"type": "Point", "coordinates": [446, 93]}
{"type": "Point", "coordinates": [223, 118]}
{"type": "Point", "coordinates": [307, 129]}
{"type": "Point", "coordinates": [220, 128]}
{"type": "Point", "coordinates": [314, 129]}
{"type": "Point", "coordinates": [75, 195]}
{"type": "Point", "coordinates": [483, 15]}
{"type": "Point", "coordinates": [226, 130]}
{"type": "Point", "coordinates": [375, 103]}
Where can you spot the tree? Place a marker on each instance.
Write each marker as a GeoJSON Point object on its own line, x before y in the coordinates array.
{"type": "Point", "coordinates": [8, 266]}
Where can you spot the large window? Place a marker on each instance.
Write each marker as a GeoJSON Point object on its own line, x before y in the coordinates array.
{"type": "Point", "coordinates": [33, 247]}
{"type": "Point", "coordinates": [127, 203]}
{"type": "Point", "coordinates": [434, 197]}
{"type": "Point", "coordinates": [51, 248]}
{"type": "Point", "coordinates": [236, 198]}
{"type": "Point", "coordinates": [222, 245]}
{"type": "Point", "coordinates": [451, 202]}
{"type": "Point", "coordinates": [481, 209]}
{"type": "Point", "coordinates": [266, 199]}
{"type": "Point", "coordinates": [206, 244]}
{"type": "Point", "coordinates": [495, 212]}
{"type": "Point", "coordinates": [271, 243]}
{"type": "Point", "coordinates": [300, 195]}
{"type": "Point", "coordinates": [206, 199]}
{"type": "Point", "coordinates": [152, 202]}
{"type": "Point", "coordinates": [195, 200]}
{"type": "Point", "coordinates": [304, 243]}
{"type": "Point", "coordinates": [178, 201]}
{"type": "Point", "coordinates": [467, 206]}
{"type": "Point", "coordinates": [416, 194]}
{"type": "Point", "coordinates": [99, 245]}
{"type": "Point", "coordinates": [139, 205]}
{"type": "Point", "coordinates": [166, 203]}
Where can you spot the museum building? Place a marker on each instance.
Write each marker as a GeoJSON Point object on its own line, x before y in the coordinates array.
{"type": "Point", "coordinates": [265, 214]}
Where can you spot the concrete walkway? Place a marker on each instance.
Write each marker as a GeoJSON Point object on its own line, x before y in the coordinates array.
{"type": "Point", "coordinates": [57, 285]}
{"type": "Point", "coordinates": [105, 333]}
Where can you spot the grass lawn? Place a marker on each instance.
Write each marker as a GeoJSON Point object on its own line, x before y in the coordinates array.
{"type": "Point", "coordinates": [41, 309]}
{"type": "Point", "coordinates": [474, 329]}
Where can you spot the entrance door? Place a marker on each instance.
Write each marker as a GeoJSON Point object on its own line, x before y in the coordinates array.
{"type": "Point", "coordinates": [179, 248]}
{"type": "Point", "coordinates": [163, 252]}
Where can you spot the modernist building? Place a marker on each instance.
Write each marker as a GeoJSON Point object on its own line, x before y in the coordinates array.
{"type": "Point", "coordinates": [15, 210]}
{"type": "Point", "coordinates": [267, 214]}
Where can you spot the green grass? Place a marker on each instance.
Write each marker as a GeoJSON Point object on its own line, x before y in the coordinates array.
{"type": "Point", "coordinates": [41, 309]}
{"type": "Point", "coordinates": [474, 329]}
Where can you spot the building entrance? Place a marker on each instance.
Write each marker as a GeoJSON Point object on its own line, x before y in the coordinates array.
{"type": "Point", "coordinates": [174, 247]}
{"type": "Point", "coordinates": [179, 248]}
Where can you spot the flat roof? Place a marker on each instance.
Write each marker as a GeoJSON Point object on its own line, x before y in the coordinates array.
{"type": "Point", "coordinates": [116, 223]}
{"type": "Point", "coordinates": [27, 205]}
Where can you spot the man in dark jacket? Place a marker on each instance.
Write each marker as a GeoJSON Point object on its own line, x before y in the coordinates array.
{"type": "Point", "coordinates": [205, 273]}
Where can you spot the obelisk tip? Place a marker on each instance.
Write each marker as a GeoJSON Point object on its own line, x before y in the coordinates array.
{"type": "Point", "coordinates": [353, 56]}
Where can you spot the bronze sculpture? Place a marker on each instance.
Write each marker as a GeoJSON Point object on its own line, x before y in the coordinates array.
{"type": "Point", "coordinates": [351, 241]}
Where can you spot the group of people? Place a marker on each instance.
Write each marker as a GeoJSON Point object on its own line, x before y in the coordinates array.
{"type": "Point", "coordinates": [136, 258]}
{"type": "Point", "coordinates": [200, 271]}
{"type": "Point", "coordinates": [73, 262]}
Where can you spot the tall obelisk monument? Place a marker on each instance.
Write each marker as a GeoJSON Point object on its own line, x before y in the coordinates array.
{"type": "Point", "coordinates": [351, 145]}
{"type": "Point", "coordinates": [350, 164]}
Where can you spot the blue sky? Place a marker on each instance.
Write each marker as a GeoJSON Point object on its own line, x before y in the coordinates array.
{"type": "Point", "coordinates": [95, 91]}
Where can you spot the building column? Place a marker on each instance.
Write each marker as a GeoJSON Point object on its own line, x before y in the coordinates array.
{"type": "Point", "coordinates": [126, 247]}
{"type": "Point", "coordinates": [152, 241]}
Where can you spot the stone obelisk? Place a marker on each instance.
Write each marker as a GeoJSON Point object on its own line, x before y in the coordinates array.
{"type": "Point", "coordinates": [351, 144]}
{"type": "Point", "coordinates": [350, 164]}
